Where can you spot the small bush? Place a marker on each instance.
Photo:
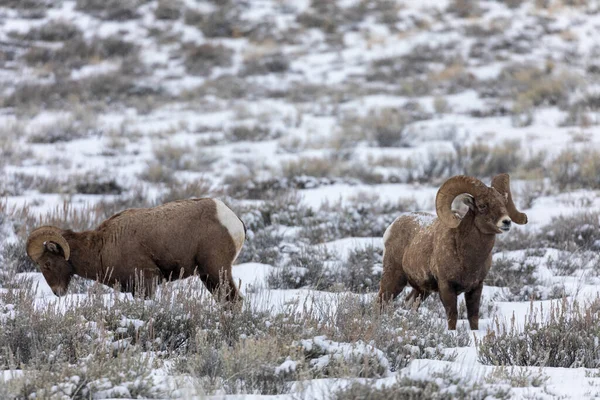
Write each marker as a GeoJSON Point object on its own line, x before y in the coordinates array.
{"type": "Point", "coordinates": [168, 10]}
{"type": "Point", "coordinates": [567, 338]}
{"type": "Point", "coordinates": [532, 87]}
{"type": "Point", "coordinates": [267, 64]}
{"type": "Point", "coordinates": [361, 272]}
{"type": "Point", "coordinates": [225, 21]}
{"type": "Point", "coordinates": [98, 185]}
{"type": "Point", "coordinates": [512, 274]}
{"type": "Point", "coordinates": [103, 90]}
{"type": "Point", "coordinates": [53, 31]}
{"type": "Point", "coordinates": [255, 133]}
{"type": "Point", "coordinates": [77, 52]}
{"type": "Point", "coordinates": [155, 172]}
{"type": "Point", "coordinates": [387, 128]}
{"type": "Point", "coordinates": [179, 191]}
{"type": "Point", "coordinates": [263, 246]}
{"type": "Point", "coordinates": [364, 217]}
{"type": "Point", "coordinates": [78, 126]}
{"type": "Point", "coordinates": [15, 259]}
{"type": "Point", "coordinates": [304, 268]}
{"type": "Point", "coordinates": [445, 385]}
{"type": "Point", "coordinates": [576, 169]}
{"type": "Point", "coordinates": [464, 8]}
{"type": "Point", "coordinates": [200, 60]}
{"type": "Point", "coordinates": [482, 159]}
{"type": "Point", "coordinates": [118, 10]}
{"type": "Point", "coordinates": [183, 158]}
{"type": "Point", "coordinates": [579, 231]}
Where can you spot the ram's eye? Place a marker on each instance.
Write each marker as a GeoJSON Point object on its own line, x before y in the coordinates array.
{"type": "Point", "coordinates": [483, 207]}
{"type": "Point", "coordinates": [46, 265]}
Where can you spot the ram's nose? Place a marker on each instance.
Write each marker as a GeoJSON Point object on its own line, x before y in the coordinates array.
{"type": "Point", "coordinates": [505, 224]}
{"type": "Point", "coordinates": [59, 291]}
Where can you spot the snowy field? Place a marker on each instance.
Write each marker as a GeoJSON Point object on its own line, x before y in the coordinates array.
{"type": "Point", "coordinates": [318, 122]}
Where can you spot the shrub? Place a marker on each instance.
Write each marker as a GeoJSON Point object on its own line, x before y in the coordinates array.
{"type": "Point", "coordinates": [15, 259]}
{"type": "Point", "coordinates": [532, 86]}
{"type": "Point", "coordinates": [387, 128]}
{"type": "Point", "coordinates": [95, 184]}
{"type": "Point", "coordinates": [200, 60]}
{"type": "Point", "coordinates": [464, 8]}
{"type": "Point", "coordinates": [155, 172]}
{"type": "Point", "coordinates": [183, 158]}
{"type": "Point", "coordinates": [579, 231]}
{"type": "Point", "coordinates": [361, 218]}
{"type": "Point", "coordinates": [266, 64]}
{"type": "Point", "coordinates": [512, 274]}
{"type": "Point", "coordinates": [566, 337]}
{"type": "Point", "coordinates": [444, 385]}
{"type": "Point", "coordinates": [255, 133]}
{"type": "Point", "coordinates": [77, 52]}
{"type": "Point", "coordinates": [168, 10]}
{"type": "Point", "coordinates": [361, 272]}
{"type": "Point", "coordinates": [576, 169]}
{"type": "Point", "coordinates": [481, 159]}
{"type": "Point", "coordinates": [307, 166]}
{"type": "Point", "coordinates": [263, 246]}
{"type": "Point", "coordinates": [225, 21]}
{"type": "Point", "coordinates": [53, 31]}
{"type": "Point", "coordinates": [326, 16]}
{"type": "Point", "coordinates": [305, 267]}
{"type": "Point", "coordinates": [179, 191]}
{"type": "Point", "coordinates": [78, 126]}
{"type": "Point", "coordinates": [118, 10]}
{"type": "Point", "coordinates": [106, 89]}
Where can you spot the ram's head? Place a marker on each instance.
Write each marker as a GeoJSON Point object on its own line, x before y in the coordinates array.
{"type": "Point", "coordinates": [492, 206]}
{"type": "Point", "coordinates": [49, 249]}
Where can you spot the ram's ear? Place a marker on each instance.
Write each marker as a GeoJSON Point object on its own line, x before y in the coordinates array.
{"type": "Point", "coordinates": [52, 247]}
{"type": "Point", "coordinates": [469, 201]}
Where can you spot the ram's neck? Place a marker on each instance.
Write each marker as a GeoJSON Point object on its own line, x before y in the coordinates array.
{"type": "Point", "coordinates": [474, 247]}
{"type": "Point", "coordinates": [85, 253]}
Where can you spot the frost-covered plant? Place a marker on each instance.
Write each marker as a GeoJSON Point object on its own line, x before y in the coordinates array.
{"type": "Point", "coordinates": [119, 10]}
{"type": "Point", "coordinates": [566, 336]}
{"type": "Point", "coordinates": [200, 60]}
{"type": "Point", "coordinates": [102, 375]}
{"type": "Point", "coordinates": [308, 267]}
{"type": "Point", "coordinates": [579, 231]}
{"type": "Point", "coordinates": [328, 358]}
{"type": "Point", "coordinates": [402, 335]}
{"type": "Point", "coordinates": [519, 277]}
{"type": "Point", "coordinates": [361, 271]}
{"type": "Point", "coordinates": [510, 273]}
{"type": "Point", "coordinates": [263, 246]}
{"type": "Point", "coordinates": [32, 336]}
{"type": "Point", "coordinates": [443, 385]}
{"type": "Point", "coordinates": [362, 217]}
{"type": "Point", "coordinates": [573, 169]}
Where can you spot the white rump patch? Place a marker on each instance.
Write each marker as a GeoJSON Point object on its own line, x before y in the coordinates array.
{"type": "Point", "coordinates": [229, 220]}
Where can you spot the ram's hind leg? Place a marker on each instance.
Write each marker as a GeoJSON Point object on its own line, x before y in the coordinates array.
{"type": "Point", "coordinates": [215, 272]}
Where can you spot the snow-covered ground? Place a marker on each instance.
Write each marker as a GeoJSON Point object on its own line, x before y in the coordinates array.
{"type": "Point", "coordinates": [318, 122]}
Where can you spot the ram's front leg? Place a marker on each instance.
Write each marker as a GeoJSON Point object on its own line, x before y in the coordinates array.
{"type": "Point", "coordinates": [473, 300]}
{"type": "Point", "coordinates": [448, 297]}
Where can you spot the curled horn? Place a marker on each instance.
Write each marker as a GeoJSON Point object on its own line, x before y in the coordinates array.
{"type": "Point", "coordinates": [35, 242]}
{"type": "Point", "coordinates": [501, 183]}
{"type": "Point", "coordinates": [447, 193]}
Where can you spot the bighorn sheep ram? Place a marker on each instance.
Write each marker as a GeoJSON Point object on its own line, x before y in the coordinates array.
{"type": "Point", "coordinates": [144, 245]}
{"type": "Point", "coordinates": [449, 254]}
